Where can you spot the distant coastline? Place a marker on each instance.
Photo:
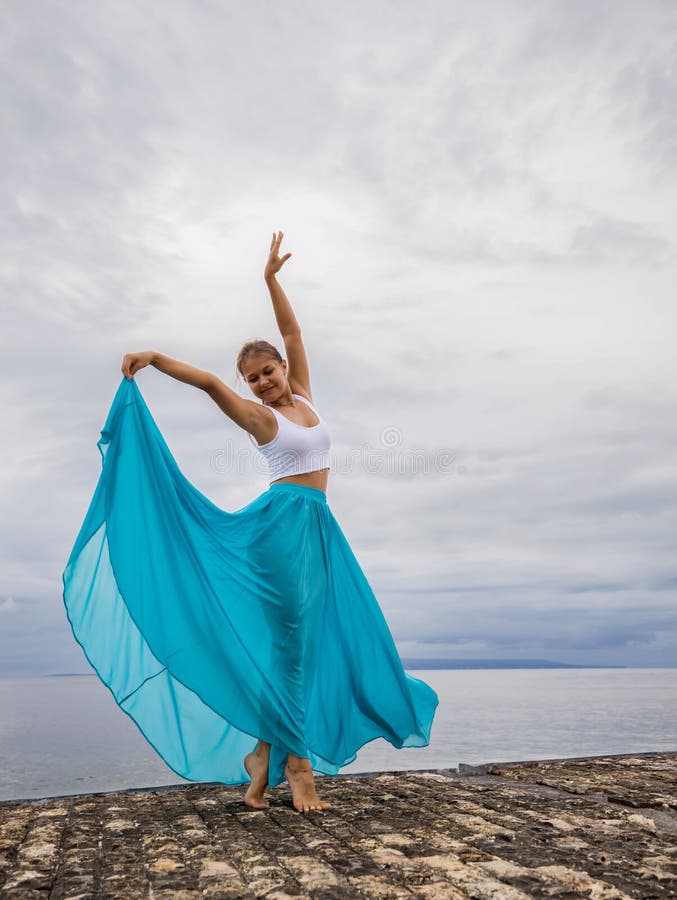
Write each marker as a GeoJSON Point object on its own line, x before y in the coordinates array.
{"type": "Point", "coordinates": [497, 664]}
{"type": "Point", "coordinates": [414, 663]}
{"type": "Point", "coordinates": [411, 663]}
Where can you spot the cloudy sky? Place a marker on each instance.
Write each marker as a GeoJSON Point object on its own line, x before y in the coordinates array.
{"type": "Point", "coordinates": [479, 199]}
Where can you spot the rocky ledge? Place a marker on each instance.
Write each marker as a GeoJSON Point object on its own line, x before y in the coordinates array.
{"type": "Point", "coordinates": [598, 827]}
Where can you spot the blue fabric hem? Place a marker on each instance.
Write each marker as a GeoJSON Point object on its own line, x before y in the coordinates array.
{"type": "Point", "coordinates": [351, 759]}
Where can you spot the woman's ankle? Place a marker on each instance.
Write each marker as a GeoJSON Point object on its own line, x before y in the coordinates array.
{"type": "Point", "coordinates": [298, 764]}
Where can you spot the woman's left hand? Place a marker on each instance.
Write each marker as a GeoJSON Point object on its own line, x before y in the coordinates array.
{"type": "Point", "coordinates": [275, 263]}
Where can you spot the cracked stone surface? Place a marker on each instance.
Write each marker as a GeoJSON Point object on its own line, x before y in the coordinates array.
{"type": "Point", "coordinates": [597, 827]}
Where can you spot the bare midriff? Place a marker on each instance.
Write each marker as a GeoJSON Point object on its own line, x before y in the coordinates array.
{"type": "Point", "coordinates": [318, 479]}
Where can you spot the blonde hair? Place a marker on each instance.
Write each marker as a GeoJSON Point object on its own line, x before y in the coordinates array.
{"type": "Point", "coordinates": [254, 348]}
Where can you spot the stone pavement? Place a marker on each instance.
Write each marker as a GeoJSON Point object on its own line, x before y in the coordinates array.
{"type": "Point", "coordinates": [597, 827]}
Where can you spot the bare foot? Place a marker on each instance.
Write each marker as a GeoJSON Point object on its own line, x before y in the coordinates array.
{"type": "Point", "coordinates": [256, 765]}
{"type": "Point", "coordinates": [300, 778]}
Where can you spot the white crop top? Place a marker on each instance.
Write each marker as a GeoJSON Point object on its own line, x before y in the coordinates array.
{"type": "Point", "coordinates": [296, 448]}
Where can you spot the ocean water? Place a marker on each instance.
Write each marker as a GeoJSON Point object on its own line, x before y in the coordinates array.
{"type": "Point", "coordinates": [65, 734]}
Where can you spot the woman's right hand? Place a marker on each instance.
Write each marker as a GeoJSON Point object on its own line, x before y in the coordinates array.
{"type": "Point", "coordinates": [275, 262]}
{"type": "Point", "coordinates": [132, 362]}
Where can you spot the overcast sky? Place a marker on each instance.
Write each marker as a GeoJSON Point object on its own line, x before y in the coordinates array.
{"type": "Point", "coordinates": [480, 201]}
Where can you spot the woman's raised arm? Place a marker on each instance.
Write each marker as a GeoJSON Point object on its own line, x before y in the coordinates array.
{"type": "Point", "coordinates": [286, 320]}
{"type": "Point", "coordinates": [297, 361]}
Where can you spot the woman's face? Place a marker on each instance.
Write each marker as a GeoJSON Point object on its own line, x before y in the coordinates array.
{"type": "Point", "coordinates": [266, 377]}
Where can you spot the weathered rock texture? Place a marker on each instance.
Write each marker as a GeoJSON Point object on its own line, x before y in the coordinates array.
{"type": "Point", "coordinates": [600, 827]}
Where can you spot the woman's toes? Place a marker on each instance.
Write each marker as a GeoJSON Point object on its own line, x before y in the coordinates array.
{"type": "Point", "coordinates": [304, 795]}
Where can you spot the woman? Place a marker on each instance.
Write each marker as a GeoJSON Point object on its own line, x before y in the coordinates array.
{"type": "Point", "coordinates": [245, 645]}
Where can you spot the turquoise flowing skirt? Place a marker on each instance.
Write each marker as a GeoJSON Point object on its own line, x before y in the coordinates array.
{"type": "Point", "coordinates": [214, 629]}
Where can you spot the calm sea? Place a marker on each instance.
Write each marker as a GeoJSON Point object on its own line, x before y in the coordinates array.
{"type": "Point", "coordinates": [65, 735]}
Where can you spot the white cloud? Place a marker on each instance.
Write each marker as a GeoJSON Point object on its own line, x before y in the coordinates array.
{"type": "Point", "coordinates": [7, 605]}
